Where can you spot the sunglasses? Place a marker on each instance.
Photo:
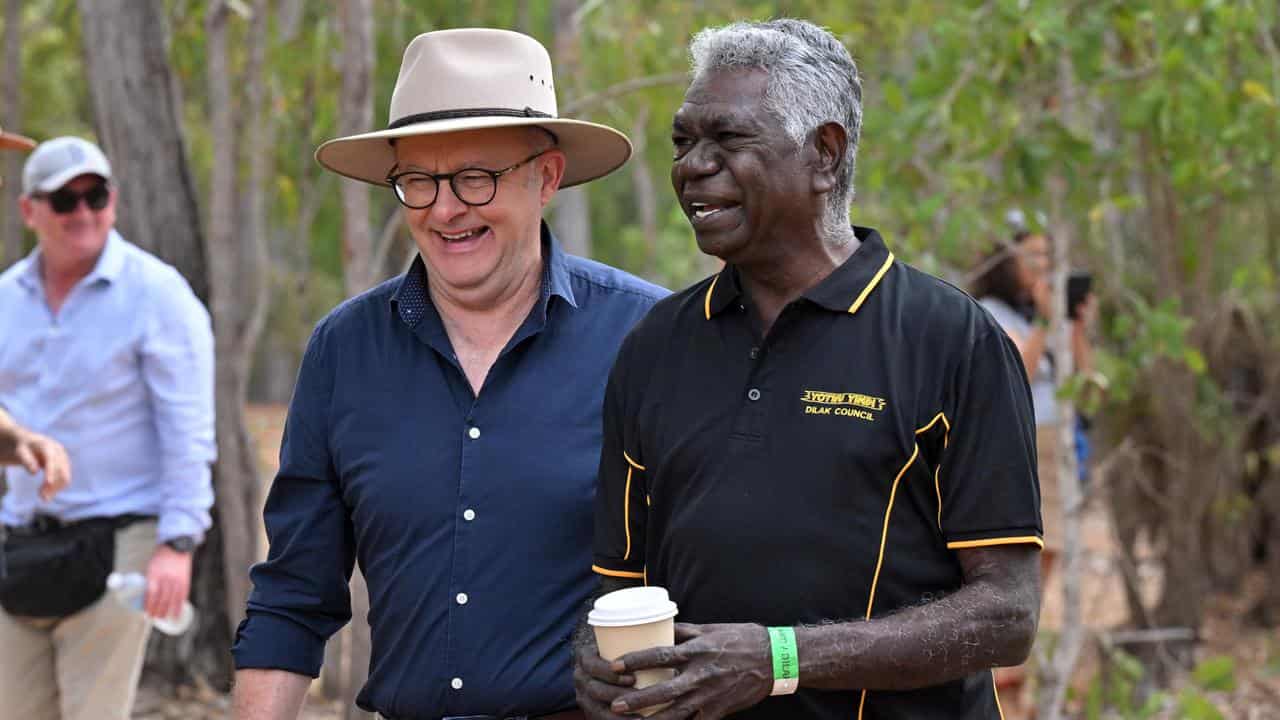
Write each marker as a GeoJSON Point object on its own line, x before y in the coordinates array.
{"type": "Point", "coordinates": [65, 201]}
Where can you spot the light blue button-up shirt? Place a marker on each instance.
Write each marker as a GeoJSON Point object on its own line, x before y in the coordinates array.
{"type": "Point", "coordinates": [122, 375]}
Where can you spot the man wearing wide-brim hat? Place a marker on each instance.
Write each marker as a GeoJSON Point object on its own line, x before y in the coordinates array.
{"type": "Point", "coordinates": [445, 429]}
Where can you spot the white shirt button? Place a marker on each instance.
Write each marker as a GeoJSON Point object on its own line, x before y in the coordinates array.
{"type": "Point", "coordinates": [468, 514]}
{"type": "Point", "coordinates": [474, 433]}
{"type": "Point", "coordinates": [456, 683]}
{"type": "Point", "coordinates": [462, 598]}
{"type": "Point", "coordinates": [753, 394]}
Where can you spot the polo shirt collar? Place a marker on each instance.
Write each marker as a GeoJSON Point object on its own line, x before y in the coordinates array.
{"type": "Point", "coordinates": [723, 292]}
{"type": "Point", "coordinates": [849, 286]}
{"type": "Point", "coordinates": [844, 290]}
{"type": "Point", "coordinates": [412, 297]}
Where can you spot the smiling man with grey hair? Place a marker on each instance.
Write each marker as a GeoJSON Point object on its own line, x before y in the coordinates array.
{"type": "Point", "coordinates": [812, 80]}
{"type": "Point", "coordinates": [825, 455]}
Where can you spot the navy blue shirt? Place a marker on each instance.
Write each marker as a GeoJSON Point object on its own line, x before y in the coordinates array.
{"type": "Point", "coordinates": [471, 517]}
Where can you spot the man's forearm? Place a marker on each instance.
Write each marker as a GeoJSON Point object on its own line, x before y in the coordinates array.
{"type": "Point", "coordinates": [269, 694]}
{"type": "Point", "coordinates": [982, 625]}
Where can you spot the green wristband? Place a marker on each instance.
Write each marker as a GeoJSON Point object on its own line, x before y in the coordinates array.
{"type": "Point", "coordinates": [786, 661]}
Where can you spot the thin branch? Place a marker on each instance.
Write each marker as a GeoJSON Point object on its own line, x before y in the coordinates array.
{"type": "Point", "coordinates": [584, 105]}
{"type": "Point", "coordinates": [386, 239]}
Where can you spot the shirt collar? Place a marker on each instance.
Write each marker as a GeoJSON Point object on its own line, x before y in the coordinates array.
{"type": "Point", "coordinates": [111, 261]}
{"type": "Point", "coordinates": [108, 267]}
{"type": "Point", "coordinates": [412, 297]}
{"type": "Point", "coordinates": [844, 290]}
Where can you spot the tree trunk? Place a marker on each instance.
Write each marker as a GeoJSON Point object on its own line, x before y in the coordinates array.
{"type": "Point", "coordinates": [646, 195]}
{"type": "Point", "coordinates": [1056, 677]}
{"type": "Point", "coordinates": [355, 116]}
{"type": "Point", "coordinates": [137, 111]}
{"type": "Point", "coordinates": [355, 20]}
{"type": "Point", "coordinates": [236, 267]}
{"type": "Point", "coordinates": [11, 119]}
{"type": "Point", "coordinates": [572, 218]}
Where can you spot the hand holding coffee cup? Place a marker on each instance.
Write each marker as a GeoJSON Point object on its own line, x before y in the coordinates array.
{"type": "Point", "coordinates": [633, 619]}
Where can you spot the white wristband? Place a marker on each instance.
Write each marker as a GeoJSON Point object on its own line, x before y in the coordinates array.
{"type": "Point", "coordinates": [785, 687]}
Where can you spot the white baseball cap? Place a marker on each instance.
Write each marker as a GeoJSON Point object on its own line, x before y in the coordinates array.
{"type": "Point", "coordinates": [56, 162]}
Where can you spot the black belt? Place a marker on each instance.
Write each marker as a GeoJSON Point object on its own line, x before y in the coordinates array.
{"type": "Point", "coordinates": [42, 524]}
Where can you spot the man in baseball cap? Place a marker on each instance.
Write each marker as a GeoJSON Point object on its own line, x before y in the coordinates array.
{"type": "Point", "coordinates": [104, 347]}
{"type": "Point", "coordinates": [445, 429]}
{"type": "Point", "coordinates": [58, 161]}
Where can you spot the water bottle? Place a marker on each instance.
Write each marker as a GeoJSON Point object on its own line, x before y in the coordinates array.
{"type": "Point", "coordinates": [130, 590]}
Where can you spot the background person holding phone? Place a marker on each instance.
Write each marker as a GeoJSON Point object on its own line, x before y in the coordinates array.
{"type": "Point", "coordinates": [1015, 289]}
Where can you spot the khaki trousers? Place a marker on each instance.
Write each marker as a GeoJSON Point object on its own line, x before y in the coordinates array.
{"type": "Point", "coordinates": [81, 667]}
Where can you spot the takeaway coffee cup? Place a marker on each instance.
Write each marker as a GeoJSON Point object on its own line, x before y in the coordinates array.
{"type": "Point", "coordinates": [635, 619]}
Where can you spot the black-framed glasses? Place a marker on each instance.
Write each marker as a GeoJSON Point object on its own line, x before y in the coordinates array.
{"type": "Point", "coordinates": [473, 186]}
{"type": "Point", "coordinates": [65, 200]}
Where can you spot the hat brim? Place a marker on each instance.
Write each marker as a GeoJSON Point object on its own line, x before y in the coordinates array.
{"type": "Point", "coordinates": [13, 141]}
{"type": "Point", "coordinates": [55, 182]}
{"type": "Point", "coordinates": [591, 151]}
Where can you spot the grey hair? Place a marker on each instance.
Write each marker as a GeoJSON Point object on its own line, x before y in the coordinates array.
{"type": "Point", "coordinates": [812, 80]}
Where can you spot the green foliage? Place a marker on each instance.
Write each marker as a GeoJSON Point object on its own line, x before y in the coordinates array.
{"type": "Point", "coordinates": [1114, 693]}
{"type": "Point", "coordinates": [1160, 117]}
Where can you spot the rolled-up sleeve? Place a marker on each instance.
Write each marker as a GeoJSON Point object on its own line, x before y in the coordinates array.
{"type": "Point", "coordinates": [177, 366]}
{"type": "Point", "coordinates": [300, 594]}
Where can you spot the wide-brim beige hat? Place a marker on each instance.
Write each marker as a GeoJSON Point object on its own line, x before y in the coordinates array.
{"type": "Point", "coordinates": [469, 79]}
{"type": "Point", "coordinates": [13, 141]}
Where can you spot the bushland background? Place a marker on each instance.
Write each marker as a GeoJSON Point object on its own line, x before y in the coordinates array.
{"type": "Point", "coordinates": [1143, 133]}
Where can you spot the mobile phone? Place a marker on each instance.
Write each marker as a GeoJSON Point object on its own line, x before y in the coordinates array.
{"type": "Point", "coordinates": [1079, 285]}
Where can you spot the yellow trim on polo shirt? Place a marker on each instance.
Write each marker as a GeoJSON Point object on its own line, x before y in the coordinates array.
{"type": "Point", "coordinates": [946, 438]}
{"type": "Point", "coordinates": [1017, 540]}
{"type": "Point", "coordinates": [888, 263]}
{"type": "Point", "coordinates": [626, 503]}
{"type": "Point", "coordinates": [893, 491]}
{"type": "Point", "coordinates": [626, 514]}
{"type": "Point", "coordinates": [618, 573]}
{"type": "Point", "coordinates": [631, 462]}
{"type": "Point", "coordinates": [995, 689]}
{"type": "Point", "coordinates": [940, 416]}
{"type": "Point", "coordinates": [884, 533]}
{"type": "Point", "coordinates": [706, 304]}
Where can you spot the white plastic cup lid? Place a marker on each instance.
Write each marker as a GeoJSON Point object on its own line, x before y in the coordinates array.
{"type": "Point", "coordinates": [632, 606]}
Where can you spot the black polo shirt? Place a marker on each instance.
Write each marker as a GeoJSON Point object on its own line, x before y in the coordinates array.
{"type": "Point", "coordinates": [826, 472]}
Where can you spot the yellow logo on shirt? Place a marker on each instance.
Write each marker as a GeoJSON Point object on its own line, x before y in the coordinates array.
{"type": "Point", "coordinates": [842, 404]}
